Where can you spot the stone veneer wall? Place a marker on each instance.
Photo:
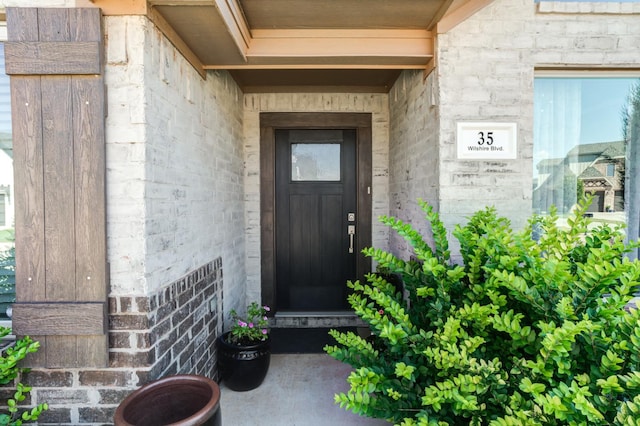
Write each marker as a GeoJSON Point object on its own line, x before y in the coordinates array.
{"type": "Point", "coordinates": [170, 332]}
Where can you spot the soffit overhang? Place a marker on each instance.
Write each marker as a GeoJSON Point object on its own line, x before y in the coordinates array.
{"type": "Point", "coordinates": [306, 45]}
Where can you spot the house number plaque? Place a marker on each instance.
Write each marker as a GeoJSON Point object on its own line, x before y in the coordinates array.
{"type": "Point", "coordinates": [486, 141]}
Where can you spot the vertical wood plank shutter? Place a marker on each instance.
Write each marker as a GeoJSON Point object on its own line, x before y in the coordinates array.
{"type": "Point", "coordinates": [54, 58]}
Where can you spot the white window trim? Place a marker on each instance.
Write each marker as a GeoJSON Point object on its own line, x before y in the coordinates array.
{"type": "Point", "coordinates": [588, 7]}
{"type": "Point", "coordinates": [587, 73]}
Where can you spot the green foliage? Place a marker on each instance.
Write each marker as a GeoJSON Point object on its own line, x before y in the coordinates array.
{"type": "Point", "coordinates": [7, 279]}
{"type": "Point", "coordinates": [7, 235]}
{"type": "Point", "coordinates": [8, 269]}
{"type": "Point", "coordinates": [9, 373]}
{"type": "Point", "coordinates": [526, 331]}
{"type": "Point", "coordinates": [250, 329]}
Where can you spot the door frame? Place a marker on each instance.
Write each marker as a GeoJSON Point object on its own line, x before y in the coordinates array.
{"type": "Point", "coordinates": [269, 121]}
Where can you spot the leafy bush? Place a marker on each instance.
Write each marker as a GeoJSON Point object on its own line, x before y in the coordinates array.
{"type": "Point", "coordinates": [9, 373]}
{"type": "Point", "coordinates": [8, 268]}
{"type": "Point", "coordinates": [7, 280]}
{"type": "Point", "coordinates": [527, 331]}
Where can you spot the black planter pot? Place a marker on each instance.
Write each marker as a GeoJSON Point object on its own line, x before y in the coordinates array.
{"type": "Point", "coordinates": [183, 400]}
{"type": "Point", "coordinates": [243, 368]}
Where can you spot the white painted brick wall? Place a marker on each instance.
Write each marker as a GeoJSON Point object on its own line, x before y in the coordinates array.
{"type": "Point", "coordinates": [254, 104]}
{"type": "Point", "coordinates": [125, 153]}
{"type": "Point", "coordinates": [174, 165]}
{"type": "Point", "coordinates": [413, 152]}
{"type": "Point", "coordinates": [482, 78]}
{"type": "Point", "coordinates": [486, 71]}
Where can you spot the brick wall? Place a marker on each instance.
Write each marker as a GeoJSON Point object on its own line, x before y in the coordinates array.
{"type": "Point", "coordinates": [484, 78]}
{"type": "Point", "coordinates": [175, 213]}
{"type": "Point", "coordinates": [172, 331]}
{"type": "Point", "coordinates": [174, 164]}
{"type": "Point", "coordinates": [486, 69]}
{"type": "Point", "coordinates": [413, 152]}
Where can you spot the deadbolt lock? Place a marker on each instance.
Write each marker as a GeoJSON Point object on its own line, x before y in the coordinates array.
{"type": "Point", "coordinates": [351, 217]}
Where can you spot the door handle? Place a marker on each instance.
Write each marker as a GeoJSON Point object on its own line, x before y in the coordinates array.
{"type": "Point", "coordinates": [351, 230]}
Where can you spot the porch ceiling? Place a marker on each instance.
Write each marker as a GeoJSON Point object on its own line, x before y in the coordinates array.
{"type": "Point", "coordinates": [309, 45]}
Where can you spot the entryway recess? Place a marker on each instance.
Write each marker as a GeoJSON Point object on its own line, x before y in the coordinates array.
{"type": "Point", "coordinates": [315, 177]}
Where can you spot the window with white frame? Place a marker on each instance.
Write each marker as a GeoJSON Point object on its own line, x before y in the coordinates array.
{"type": "Point", "coordinates": [586, 141]}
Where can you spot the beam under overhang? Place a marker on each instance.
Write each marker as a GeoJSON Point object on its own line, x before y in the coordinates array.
{"type": "Point", "coordinates": [459, 14]}
{"type": "Point", "coordinates": [444, 8]}
{"type": "Point", "coordinates": [336, 43]}
{"type": "Point", "coordinates": [231, 13]}
{"type": "Point", "coordinates": [114, 8]}
{"type": "Point", "coordinates": [312, 48]}
{"type": "Point", "coordinates": [433, 62]}
{"type": "Point", "coordinates": [298, 49]}
{"type": "Point", "coordinates": [303, 48]}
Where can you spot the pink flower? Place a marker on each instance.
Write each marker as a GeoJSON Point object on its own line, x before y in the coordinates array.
{"type": "Point", "coordinates": [250, 325]}
{"type": "Point", "coordinates": [266, 308]}
{"type": "Point", "coordinates": [381, 312]}
{"type": "Point", "coordinates": [264, 331]}
{"type": "Point", "coordinates": [242, 323]}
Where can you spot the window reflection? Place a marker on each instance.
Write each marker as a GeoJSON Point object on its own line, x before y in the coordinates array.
{"type": "Point", "coordinates": [7, 233]}
{"type": "Point", "coordinates": [586, 142]}
{"type": "Point", "coordinates": [315, 162]}
{"type": "Point", "coordinates": [315, 154]}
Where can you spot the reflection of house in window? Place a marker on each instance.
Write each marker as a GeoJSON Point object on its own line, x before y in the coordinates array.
{"type": "Point", "coordinates": [6, 181]}
{"type": "Point", "coordinates": [315, 162]}
{"type": "Point", "coordinates": [596, 169]}
{"type": "Point", "coordinates": [305, 167]}
{"type": "Point", "coordinates": [3, 208]}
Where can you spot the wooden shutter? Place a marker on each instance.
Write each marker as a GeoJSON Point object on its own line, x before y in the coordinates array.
{"type": "Point", "coordinates": [54, 58]}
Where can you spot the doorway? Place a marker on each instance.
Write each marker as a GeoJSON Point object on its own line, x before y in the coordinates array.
{"type": "Point", "coordinates": [315, 208]}
{"type": "Point", "coordinates": [315, 218]}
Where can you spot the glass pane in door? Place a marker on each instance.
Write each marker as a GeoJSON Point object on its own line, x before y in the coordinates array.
{"type": "Point", "coordinates": [315, 162]}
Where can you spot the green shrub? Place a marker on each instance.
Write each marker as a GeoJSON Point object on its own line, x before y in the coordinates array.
{"type": "Point", "coordinates": [10, 374]}
{"type": "Point", "coordinates": [8, 269]}
{"type": "Point", "coordinates": [530, 330]}
{"type": "Point", "coordinates": [7, 280]}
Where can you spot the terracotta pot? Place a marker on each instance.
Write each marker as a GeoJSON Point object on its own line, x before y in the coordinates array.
{"type": "Point", "coordinates": [183, 400]}
{"type": "Point", "coordinates": [243, 368]}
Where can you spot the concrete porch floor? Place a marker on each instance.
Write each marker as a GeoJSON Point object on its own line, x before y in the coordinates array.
{"type": "Point", "coordinates": [298, 391]}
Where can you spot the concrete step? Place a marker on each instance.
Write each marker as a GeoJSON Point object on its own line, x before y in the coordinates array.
{"type": "Point", "coordinates": [300, 319]}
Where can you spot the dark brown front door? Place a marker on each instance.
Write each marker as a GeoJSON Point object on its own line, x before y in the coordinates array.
{"type": "Point", "coordinates": [305, 202]}
{"type": "Point", "coordinates": [315, 217]}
